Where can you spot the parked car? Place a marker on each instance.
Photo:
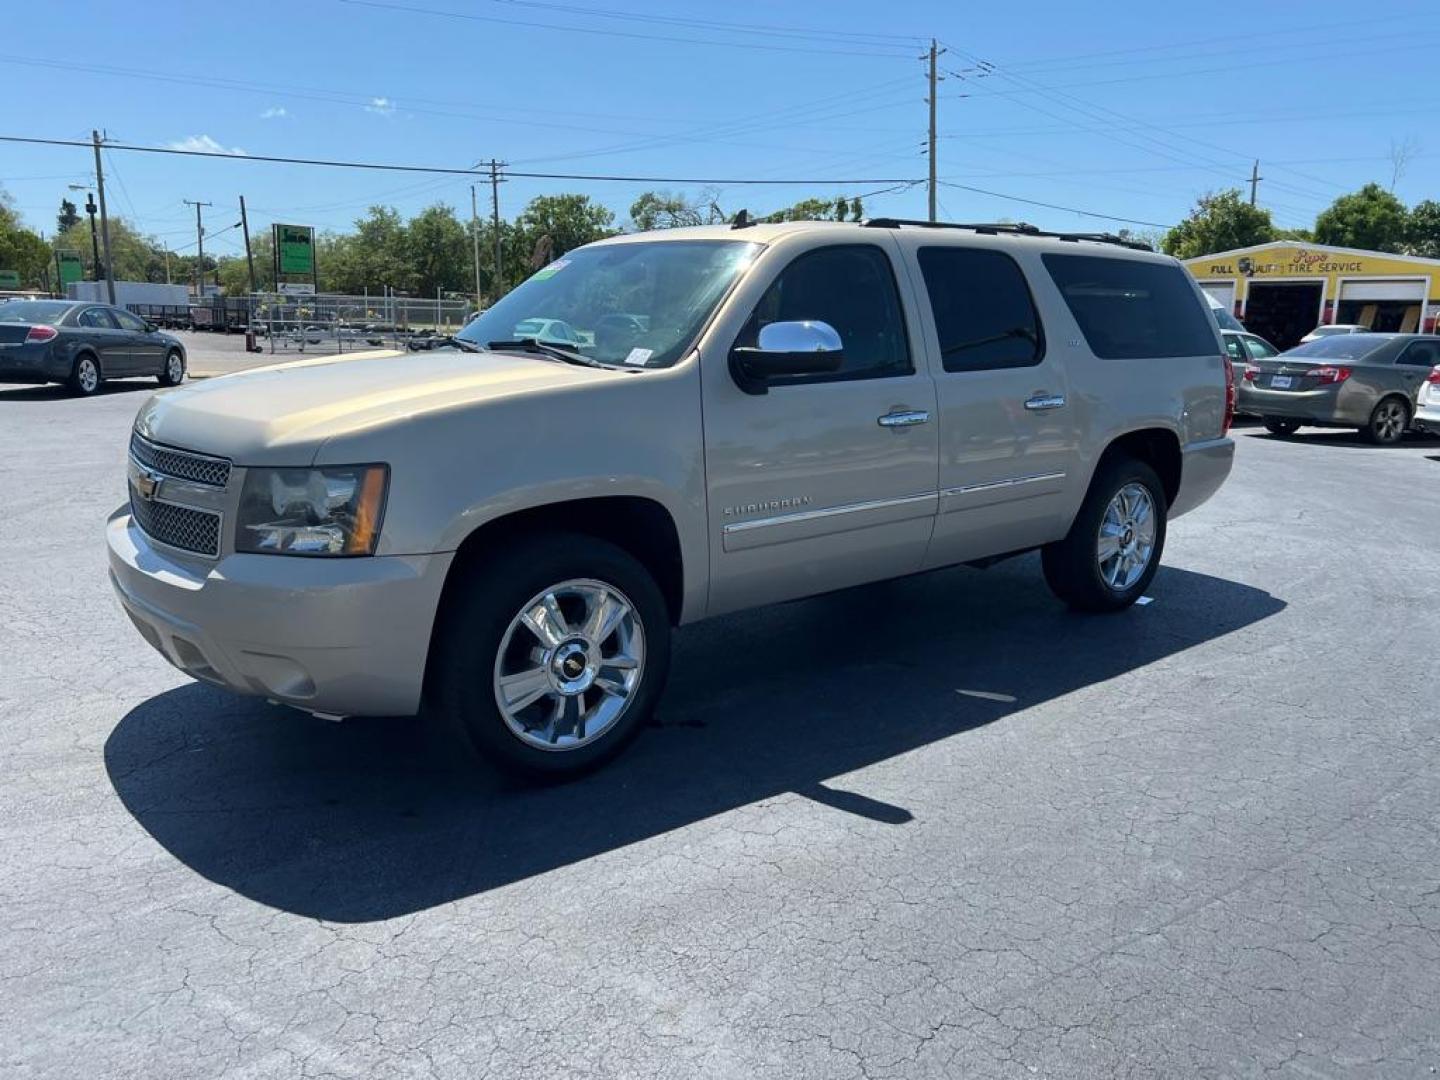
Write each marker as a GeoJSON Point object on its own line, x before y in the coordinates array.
{"type": "Point", "coordinates": [1242, 347]}
{"type": "Point", "coordinates": [1325, 330]}
{"type": "Point", "coordinates": [507, 530]}
{"type": "Point", "coordinates": [1427, 403]}
{"type": "Point", "coordinates": [1364, 381]}
{"type": "Point", "coordinates": [83, 345]}
{"type": "Point", "coordinates": [551, 331]}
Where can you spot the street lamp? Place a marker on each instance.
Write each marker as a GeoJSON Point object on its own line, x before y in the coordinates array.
{"type": "Point", "coordinates": [91, 208]}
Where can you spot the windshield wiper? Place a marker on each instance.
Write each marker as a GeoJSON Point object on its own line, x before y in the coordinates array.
{"type": "Point", "coordinates": [463, 344]}
{"type": "Point", "coordinates": [1014, 332]}
{"type": "Point", "coordinates": [536, 345]}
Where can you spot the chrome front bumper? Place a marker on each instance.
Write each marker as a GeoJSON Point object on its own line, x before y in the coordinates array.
{"type": "Point", "coordinates": [340, 637]}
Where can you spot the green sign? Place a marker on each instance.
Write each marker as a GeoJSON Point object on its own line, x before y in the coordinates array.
{"type": "Point", "coordinates": [69, 266]}
{"type": "Point", "coordinates": [9, 279]}
{"type": "Point", "coordinates": [296, 245]}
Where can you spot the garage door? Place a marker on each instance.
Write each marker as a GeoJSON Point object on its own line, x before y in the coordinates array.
{"type": "Point", "coordinates": [1222, 292]}
{"type": "Point", "coordinates": [1413, 291]}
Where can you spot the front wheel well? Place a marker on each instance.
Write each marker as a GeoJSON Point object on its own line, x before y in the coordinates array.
{"type": "Point", "coordinates": [640, 526]}
{"type": "Point", "coordinates": [1157, 447]}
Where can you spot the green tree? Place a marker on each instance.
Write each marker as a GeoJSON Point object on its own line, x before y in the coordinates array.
{"type": "Point", "coordinates": [67, 217]}
{"type": "Point", "coordinates": [551, 225]}
{"type": "Point", "coordinates": [1422, 229]}
{"type": "Point", "coordinates": [438, 251]}
{"type": "Point", "coordinates": [1371, 218]}
{"type": "Point", "coordinates": [664, 210]}
{"type": "Point", "coordinates": [857, 209]}
{"type": "Point", "coordinates": [1221, 221]}
{"type": "Point", "coordinates": [137, 257]}
{"type": "Point", "coordinates": [21, 249]}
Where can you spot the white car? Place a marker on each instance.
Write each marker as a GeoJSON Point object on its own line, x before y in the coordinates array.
{"type": "Point", "coordinates": [1331, 329]}
{"type": "Point", "coordinates": [1427, 404]}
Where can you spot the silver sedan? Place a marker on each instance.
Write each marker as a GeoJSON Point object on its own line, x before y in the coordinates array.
{"type": "Point", "coordinates": [1365, 381]}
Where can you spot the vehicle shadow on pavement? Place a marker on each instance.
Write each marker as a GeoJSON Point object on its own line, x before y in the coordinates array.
{"type": "Point", "coordinates": [56, 392]}
{"type": "Point", "coordinates": [1346, 438]}
{"type": "Point", "coordinates": [370, 819]}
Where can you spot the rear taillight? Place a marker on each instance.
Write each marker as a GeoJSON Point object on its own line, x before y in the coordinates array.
{"type": "Point", "coordinates": [1434, 377]}
{"type": "Point", "coordinates": [1327, 375]}
{"type": "Point", "coordinates": [41, 333]}
{"type": "Point", "coordinates": [1230, 394]}
{"type": "Point", "coordinates": [1251, 373]}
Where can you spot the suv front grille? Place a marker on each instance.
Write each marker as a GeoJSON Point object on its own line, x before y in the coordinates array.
{"type": "Point", "coordinates": [181, 464]}
{"type": "Point", "coordinates": [179, 526]}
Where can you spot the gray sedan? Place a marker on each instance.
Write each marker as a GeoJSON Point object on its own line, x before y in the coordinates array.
{"type": "Point", "coordinates": [83, 344]}
{"type": "Point", "coordinates": [1364, 381]}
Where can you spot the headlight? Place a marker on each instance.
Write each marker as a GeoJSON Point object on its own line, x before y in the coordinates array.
{"type": "Point", "coordinates": [330, 511]}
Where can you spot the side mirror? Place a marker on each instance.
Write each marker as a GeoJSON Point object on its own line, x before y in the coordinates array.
{"type": "Point", "coordinates": [150, 327]}
{"type": "Point", "coordinates": [787, 348]}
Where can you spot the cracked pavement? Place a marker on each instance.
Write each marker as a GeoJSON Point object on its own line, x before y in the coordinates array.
{"type": "Point", "coordinates": [930, 828]}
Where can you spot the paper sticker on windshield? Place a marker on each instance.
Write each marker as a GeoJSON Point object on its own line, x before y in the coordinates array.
{"type": "Point", "coordinates": [550, 271]}
{"type": "Point", "coordinates": [639, 356]}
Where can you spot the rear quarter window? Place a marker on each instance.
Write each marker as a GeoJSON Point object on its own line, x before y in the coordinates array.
{"type": "Point", "coordinates": [1130, 309]}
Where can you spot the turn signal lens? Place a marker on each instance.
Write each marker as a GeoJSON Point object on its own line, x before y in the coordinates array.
{"type": "Point", "coordinates": [1328, 375]}
{"type": "Point", "coordinates": [41, 333]}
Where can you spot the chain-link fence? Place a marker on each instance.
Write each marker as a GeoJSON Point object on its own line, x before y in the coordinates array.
{"type": "Point", "coordinates": [322, 323]}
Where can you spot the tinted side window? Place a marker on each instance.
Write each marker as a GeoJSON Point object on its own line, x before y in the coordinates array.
{"type": "Point", "coordinates": [96, 317]}
{"type": "Point", "coordinates": [851, 287]}
{"type": "Point", "coordinates": [984, 315]}
{"type": "Point", "coordinates": [1260, 350]}
{"type": "Point", "coordinates": [1232, 346]}
{"type": "Point", "coordinates": [1421, 353]}
{"type": "Point", "coordinates": [1132, 309]}
{"type": "Point", "coordinates": [128, 321]}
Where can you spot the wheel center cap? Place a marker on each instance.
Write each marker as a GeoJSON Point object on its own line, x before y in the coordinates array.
{"type": "Point", "coordinates": [1129, 536]}
{"type": "Point", "coordinates": [570, 668]}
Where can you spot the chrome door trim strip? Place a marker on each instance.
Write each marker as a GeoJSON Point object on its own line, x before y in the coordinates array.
{"type": "Point", "coordinates": [829, 511]}
{"type": "Point", "coordinates": [1013, 481]}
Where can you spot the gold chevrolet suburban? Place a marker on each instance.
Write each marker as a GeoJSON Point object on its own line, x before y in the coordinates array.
{"type": "Point", "coordinates": [655, 429]}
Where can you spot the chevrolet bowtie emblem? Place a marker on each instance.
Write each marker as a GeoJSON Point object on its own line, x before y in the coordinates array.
{"type": "Point", "coordinates": [148, 485]}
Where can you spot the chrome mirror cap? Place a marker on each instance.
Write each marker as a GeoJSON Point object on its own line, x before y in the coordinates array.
{"type": "Point", "coordinates": [810, 335]}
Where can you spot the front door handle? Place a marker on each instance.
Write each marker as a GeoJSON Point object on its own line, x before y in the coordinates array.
{"type": "Point", "coordinates": [1041, 402]}
{"type": "Point", "coordinates": [903, 418]}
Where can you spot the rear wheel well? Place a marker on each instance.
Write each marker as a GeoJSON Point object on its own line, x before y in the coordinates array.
{"type": "Point", "coordinates": [1158, 448]}
{"type": "Point", "coordinates": [638, 525]}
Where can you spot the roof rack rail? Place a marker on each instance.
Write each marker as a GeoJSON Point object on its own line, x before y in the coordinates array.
{"type": "Point", "coordinates": [1018, 228]}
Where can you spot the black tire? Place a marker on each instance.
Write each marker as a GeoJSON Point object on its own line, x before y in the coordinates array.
{"type": "Point", "coordinates": [1388, 421]}
{"type": "Point", "coordinates": [1072, 566]}
{"type": "Point", "coordinates": [1279, 425]}
{"type": "Point", "coordinates": [478, 611]}
{"type": "Point", "coordinates": [169, 375]}
{"type": "Point", "coordinates": [85, 376]}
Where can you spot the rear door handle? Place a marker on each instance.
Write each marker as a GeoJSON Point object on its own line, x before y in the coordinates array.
{"type": "Point", "coordinates": [1041, 402]}
{"type": "Point", "coordinates": [903, 418]}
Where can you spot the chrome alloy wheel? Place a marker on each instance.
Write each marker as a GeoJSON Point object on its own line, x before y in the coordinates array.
{"type": "Point", "coordinates": [569, 664]}
{"type": "Point", "coordinates": [1390, 417]}
{"type": "Point", "coordinates": [88, 375]}
{"type": "Point", "coordinates": [1126, 540]}
{"type": "Point", "coordinates": [174, 368]}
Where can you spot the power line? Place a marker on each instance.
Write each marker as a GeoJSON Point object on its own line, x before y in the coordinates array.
{"type": "Point", "coordinates": [1056, 206]}
{"type": "Point", "coordinates": [473, 17]}
{"type": "Point", "coordinates": [391, 167]}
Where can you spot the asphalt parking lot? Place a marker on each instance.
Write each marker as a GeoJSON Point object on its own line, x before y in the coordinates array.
{"type": "Point", "coordinates": [930, 828]}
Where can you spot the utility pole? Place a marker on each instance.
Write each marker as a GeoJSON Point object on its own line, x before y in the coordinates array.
{"type": "Point", "coordinates": [249, 257]}
{"type": "Point", "coordinates": [90, 209]}
{"type": "Point", "coordinates": [935, 52]}
{"type": "Point", "coordinates": [495, 217]}
{"type": "Point", "coordinates": [1255, 179]}
{"type": "Point", "coordinates": [200, 246]}
{"type": "Point", "coordinates": [475, 241]}
{"type": "Point", "coordinates": [104, 218]}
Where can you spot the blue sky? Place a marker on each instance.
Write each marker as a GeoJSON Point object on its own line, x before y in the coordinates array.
{"type": "Point", "coordinates": [1125, 108]}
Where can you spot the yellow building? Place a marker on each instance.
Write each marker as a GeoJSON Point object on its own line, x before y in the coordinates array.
{"type": "Point", "coordinates": [1283, 290]}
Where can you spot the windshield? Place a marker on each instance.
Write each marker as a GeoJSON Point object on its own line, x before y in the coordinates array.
{"type": "Point", "coordinates": [46, 312]}
{"type": "Point", "coordinates": [1340, 346]}
{"type": "Point", "coordinates": [1221, 314]}
{"type": "Point", "coordinates": [639, 304]}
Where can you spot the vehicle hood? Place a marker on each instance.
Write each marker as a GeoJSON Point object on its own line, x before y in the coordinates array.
{"type": "Point", "coordinates": [282, 414]}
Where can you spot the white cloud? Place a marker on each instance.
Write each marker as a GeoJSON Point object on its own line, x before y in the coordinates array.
{"type": "Point", "coordinates": [207, 145]}
{"type": "Point", "coordinates": [275, 112]}
{"type": "Point", "coordinates": [383, 106]}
